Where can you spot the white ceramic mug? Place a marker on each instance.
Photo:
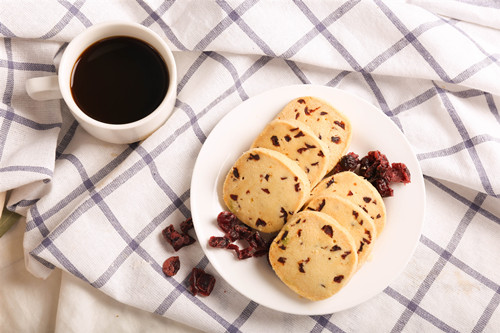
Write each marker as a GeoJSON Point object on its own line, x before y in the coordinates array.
{"type": "Point", "coordinates": [59, 86]}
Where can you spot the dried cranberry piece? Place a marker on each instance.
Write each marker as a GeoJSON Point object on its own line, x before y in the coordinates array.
{"type": "Point", "coordinates": [246, 253]}
{"type": "Point", "coordinates": [236, 173]}
{"type": "Point", "coordinates": [238, 231]}
{"type": "Point", "coordinates": [235, 248]}
{"type": "Point", "coordinates": [257, 246]}
{"type": "Point", "coordinates": [187, 225]}
{"type": "Point", "coordinates": [244, 231]}
{"type": "Point", "coordinates": [347, 162]}
{"type": "Point", "coordinates": [235, 230]}
{"type": "Point", "coordinates": [366, 169]}
{"type": "Point", "coordinates": [220, 242]}
{"type": "Point", "coordinates": [226, 221]}
{"type": "Point", "coordinates": [241, 254]}
{"type": "Point", "coordinates": [193, 277]}
{"type": "Point", "coordinates": [260, 252]}
{"type": "Point", "coordinates": [376, 169]}
{"type": "Point", "coordinates": [373, 165]}
{"type": "Point", "coordinates": [205, 284]}
{"type": "Point", "coordinates": [383, 188]}
{"type": "Point", "coordinates": [176, 239]}
{"type": "Point", "coordinates": [327, 229]}
{"type": "Point", "coordinates": [171, 266]}
{"type": "Point", "coordinates": [400, 173]}
{"type": "Point", "coordinates": [256, 240]}
{"type": "Point", "coordinates": [232, 235]}
{"type": "Point", "coordinates": [200, 282]}
{"type": "Point", "coordinates": [377, 156]}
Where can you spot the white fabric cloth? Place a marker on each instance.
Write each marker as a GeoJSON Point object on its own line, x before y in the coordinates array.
{"type": "Point", "coordinates": [63, 303]}
{"type": "Point", "coordinates": [482, 12]}
{"type": "Point", "coordinates": [96, 210]}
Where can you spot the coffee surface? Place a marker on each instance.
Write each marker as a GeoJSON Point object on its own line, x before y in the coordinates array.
{"type": "Point", "coordinates": [119, 80]}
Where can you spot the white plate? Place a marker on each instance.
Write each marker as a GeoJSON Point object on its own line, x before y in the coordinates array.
{"type": "Point", "coordinates": [254, 277]}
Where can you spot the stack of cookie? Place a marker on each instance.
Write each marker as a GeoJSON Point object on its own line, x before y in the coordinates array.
{"type": "Point", "coordinates": [326, 226]}
{"type": "Point", "coordinates": [272, 181]}
{"type": "Point", "coordinates": [317, 252]}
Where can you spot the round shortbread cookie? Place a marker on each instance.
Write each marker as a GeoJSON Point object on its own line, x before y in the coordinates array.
{"type": "Point", "coordinates": [357, 190]}
{"type": "Point", "coordinates": [313, 255]}
{"type": "Point", "coordinates": [330, 125]}
{"type": "Point", "coordinates": [349, 215]}
{"type": "Point", "coordinates": [264, 187]}
{"type": "Point", "coordinates": [299, 143]}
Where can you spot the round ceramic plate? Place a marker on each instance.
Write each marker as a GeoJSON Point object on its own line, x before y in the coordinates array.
{"type": "Point", "coordinates": [254, 277]}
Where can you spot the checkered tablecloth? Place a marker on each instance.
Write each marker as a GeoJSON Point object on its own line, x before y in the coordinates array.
{"type": "Point", "coordinates": [97, 210]}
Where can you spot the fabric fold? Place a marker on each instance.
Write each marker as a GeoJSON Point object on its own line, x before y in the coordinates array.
{"type": "Point", "coordinates": [481, 12]}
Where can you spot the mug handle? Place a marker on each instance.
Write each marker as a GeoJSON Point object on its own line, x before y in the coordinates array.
{"type": "Point", "coordinates": [43, 88]}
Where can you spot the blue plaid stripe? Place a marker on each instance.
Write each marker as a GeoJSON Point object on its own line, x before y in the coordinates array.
{"type": "Point", "coordinates": [445, 257]}
{"type": "Point", "coordinates": [154, 16]}
{"type": "Point", "coordinates": [236, 14]}
{"type": "Point", "coordinates": [176, 200]}
{"type": "Point", "coordinates": [325, 322]}
{"type": "Point", "coordinates": [320, 27]}
{"type": "Point", "coordinates": [438, 266]}
{"type": "Point", "coordinates": [128, 250]}
{"type": "Point", "coordinates": [483, 3]}
{"type": "Point", "coordinates": [9, 115]}
{"type": "Point", "coordinates": [84, 187]}
{"type": "Point", "coordinates": [413, 307]}
{"type": "Point", "coordinates": [61, 258]}
{"type": "Point", "coordinates": [73, 12]}
{"type": "Point", "coordinates": [30, 67]}
{"type": "Point", "coordinates": [466, 139]}
{"type": "Point", "coordinates": [463, 200]}
{"type": "Point", "coordinates": [238, 89]}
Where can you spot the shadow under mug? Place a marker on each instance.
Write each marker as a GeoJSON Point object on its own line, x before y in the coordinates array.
{"type": "Point", "coordinates": [59, 86]}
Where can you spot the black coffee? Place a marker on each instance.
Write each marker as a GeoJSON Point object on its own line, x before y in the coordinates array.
{"type": "Point", "coordinates": [119, 80]}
